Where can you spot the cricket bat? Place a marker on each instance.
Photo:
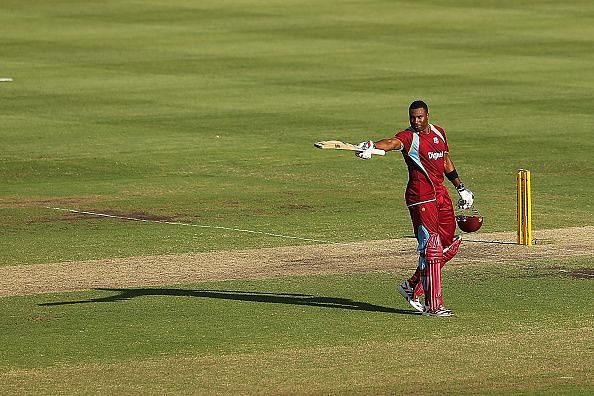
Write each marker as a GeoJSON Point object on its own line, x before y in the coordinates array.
{"type": "Point", "coordinates": [340, 145]}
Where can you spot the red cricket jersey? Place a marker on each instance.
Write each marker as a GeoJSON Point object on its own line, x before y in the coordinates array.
{"type": "Point", "coordinates": [424, 157]}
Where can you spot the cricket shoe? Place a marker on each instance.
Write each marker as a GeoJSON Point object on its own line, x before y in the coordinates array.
{"type": "Point", "coordinates": [407, 292]}
{"type": "Point", "coordinates": [441, 311]}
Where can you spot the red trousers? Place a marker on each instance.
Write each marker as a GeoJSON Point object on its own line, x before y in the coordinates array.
{"type": "Point", "coordinates": [436, 216]}
{"type": "Point", "coordinates": [434, 225]}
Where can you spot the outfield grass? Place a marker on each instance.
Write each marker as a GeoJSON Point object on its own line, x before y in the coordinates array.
{"type": "Point", "coordinates": [307, 335]}
{"type": "Point", "coordinates": [204, 112]}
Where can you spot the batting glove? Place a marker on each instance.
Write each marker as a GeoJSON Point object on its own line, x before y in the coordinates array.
{"type": "Point", "coordinates": [367, 146]}
{"type": "Point", "coordinates": [466, 197]}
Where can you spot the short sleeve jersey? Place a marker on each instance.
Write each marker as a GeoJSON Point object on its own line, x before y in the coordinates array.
{"type": "Point", "coordinates": [424, 157]}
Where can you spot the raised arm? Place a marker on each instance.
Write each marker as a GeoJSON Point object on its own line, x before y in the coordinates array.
{"type": "Point", "coordinates": [388, 144]}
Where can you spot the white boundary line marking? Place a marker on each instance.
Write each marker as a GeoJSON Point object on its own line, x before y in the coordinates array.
{"type": "Point", "coordinates": [88, 213]}
{"type": "Point", "coordinates": [84, 212]}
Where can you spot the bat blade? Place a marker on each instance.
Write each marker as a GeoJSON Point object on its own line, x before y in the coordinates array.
{"type": "Point", "coordinates": [340, 145]}
{"type": "Point", "coordinates": [336, 145]}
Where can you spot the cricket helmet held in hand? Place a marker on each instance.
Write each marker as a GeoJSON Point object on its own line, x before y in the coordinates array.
{"type": "Point", "coordinates": [469, 220]}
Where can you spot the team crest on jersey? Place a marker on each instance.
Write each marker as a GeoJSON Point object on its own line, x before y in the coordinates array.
{"type": "Point", "coordinates": [435, 140]}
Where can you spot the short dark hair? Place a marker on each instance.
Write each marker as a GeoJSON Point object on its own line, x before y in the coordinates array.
{"type": "Point", "coordinates": [418, 104]}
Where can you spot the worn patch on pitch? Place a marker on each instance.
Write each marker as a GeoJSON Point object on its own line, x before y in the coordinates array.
{"type": "Point", "coordinates": [583, 273]}
{"type": "Point", "coordinates": [396, 255]}
{"type": "Point", "coordinates": [18, 203]}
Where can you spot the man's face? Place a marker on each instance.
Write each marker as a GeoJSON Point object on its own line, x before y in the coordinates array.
{"type": "Point", "coordinates": [419, 119]}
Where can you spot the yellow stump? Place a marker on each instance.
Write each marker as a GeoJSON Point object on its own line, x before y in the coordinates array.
{"type": "Point", "coordinates": [524, 213]}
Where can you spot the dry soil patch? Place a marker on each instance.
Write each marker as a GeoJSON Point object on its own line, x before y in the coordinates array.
{"type": "Point", "coordinates": [385, 256]}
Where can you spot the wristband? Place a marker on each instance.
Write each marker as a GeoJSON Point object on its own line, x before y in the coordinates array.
{"type": "Point", "coordinates": [452, 175]}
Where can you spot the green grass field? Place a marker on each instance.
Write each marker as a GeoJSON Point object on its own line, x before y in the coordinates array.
{"type": "Point", "coordinates": [205, 112]}
{"type": "Point", "coordinates": [322, 334]}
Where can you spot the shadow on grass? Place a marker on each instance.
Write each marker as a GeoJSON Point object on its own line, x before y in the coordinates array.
{"type": "Point", "coordinates": [237, 295]}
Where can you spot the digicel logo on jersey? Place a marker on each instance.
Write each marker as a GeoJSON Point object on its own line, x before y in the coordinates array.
{"type": "Point", "coordinates": [435, 156]}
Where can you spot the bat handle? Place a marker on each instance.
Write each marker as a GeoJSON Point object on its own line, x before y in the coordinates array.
{"type": "Point", "coordinates": [378, 152]}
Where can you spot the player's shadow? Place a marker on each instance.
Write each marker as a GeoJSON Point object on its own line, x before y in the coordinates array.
{"type": "Point", "coordinates": [238, 295]}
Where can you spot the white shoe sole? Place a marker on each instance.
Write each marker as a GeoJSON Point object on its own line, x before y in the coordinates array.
{"type": "Point", "coordinates": [440, 314]}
